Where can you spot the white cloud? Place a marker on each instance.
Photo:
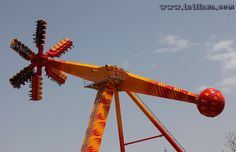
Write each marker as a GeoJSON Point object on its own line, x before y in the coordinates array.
{"type": "Point", "coordinates": [224, 52]}
{"type": "Point", "coordinates": [227, 84]}
{"type": "Point", "coordinates": [223, 45]}
{"type": "Point", "coordinates": [202, 87]}
{"type": "Point", "coordinates": [173, 43]}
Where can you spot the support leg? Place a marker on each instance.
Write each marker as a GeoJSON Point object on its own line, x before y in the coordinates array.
{"type": "Point", "coordinates": [119, 122]}
{"type": "Point", "coordinates": [155, 122]}
{"type": "Point", "coordinates": [97, 123]}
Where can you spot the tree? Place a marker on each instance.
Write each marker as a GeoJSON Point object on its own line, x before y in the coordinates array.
{"type": "Point", "coordinates": [231, 141]}
{"type": "Point", "coordinates": [165, 149]}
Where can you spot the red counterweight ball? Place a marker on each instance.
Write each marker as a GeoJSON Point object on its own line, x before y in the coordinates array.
{"type": "Point", "coordinates": [210, 102]}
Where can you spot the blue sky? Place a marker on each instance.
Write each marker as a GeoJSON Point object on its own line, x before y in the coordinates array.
{"type": "Point", "coordinates": [187, 49]}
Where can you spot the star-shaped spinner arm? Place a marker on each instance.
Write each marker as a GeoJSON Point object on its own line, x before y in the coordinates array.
{"type": "Point", "coordinates": [33, 72]}
{"type": "Point", "coordinates": [40, 34]}
{"type": "Point", "coordinates": [21, 49]}
{"type": "Point", "coordinates": [60, 48]}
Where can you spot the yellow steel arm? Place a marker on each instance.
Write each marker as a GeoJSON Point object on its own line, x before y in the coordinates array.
{"type": "Point", "coordinates": [84, 71]}
{"type": "Point", "coordinates": [88, 72]}
{"type": "Point", "coordinates": [138, 84]}
{"type": "Point", "coordinates": [131, 82]}
{"type": "Point", "coordinates": [210, 102]}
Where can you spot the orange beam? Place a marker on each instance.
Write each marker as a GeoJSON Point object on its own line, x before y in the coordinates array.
{"type": "Point", "coordinates": [131, 83]}
{"type": "Point", "coordinates": [210, 102]}
{"type": "Point", "coordinates": [138, 84]}
{"type": "Point", "coordinates": [97, 123]}
{"type": "Point", "coordinates": [84, 71]}
{"type": "Point", "coordinates": [155, 122]}
{"type": "Point", "coordinates": [119, 122]}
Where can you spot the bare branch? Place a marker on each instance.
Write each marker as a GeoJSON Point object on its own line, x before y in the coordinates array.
{"type": "Point", "coordinates": [231, 141]}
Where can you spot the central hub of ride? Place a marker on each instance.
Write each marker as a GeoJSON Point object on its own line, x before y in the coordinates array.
{"type": "Point", "coordinates": [108, 76]}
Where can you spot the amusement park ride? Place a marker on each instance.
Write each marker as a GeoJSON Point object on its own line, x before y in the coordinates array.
{"type": "Point", "coordinates": [108, 80]}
